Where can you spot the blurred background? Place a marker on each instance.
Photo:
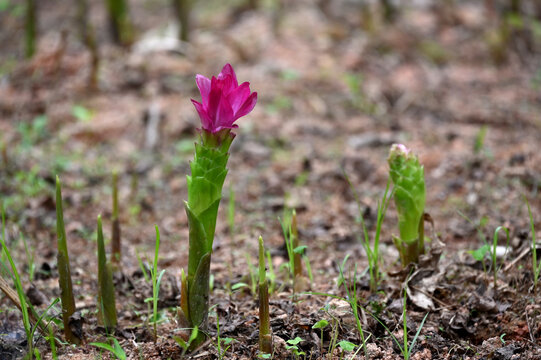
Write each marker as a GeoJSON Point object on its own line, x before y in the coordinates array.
{"type": "Point", "coordinates": [89, 87]}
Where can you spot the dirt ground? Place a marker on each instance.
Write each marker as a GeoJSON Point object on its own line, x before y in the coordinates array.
{"type": "Point", "coordinates": [337, 86]}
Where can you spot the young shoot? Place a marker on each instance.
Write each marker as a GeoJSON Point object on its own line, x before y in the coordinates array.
{"type": "Point", "coordinates": [409, 195]}
{"type": "Point", "coordinates": [536, 267]}
{"type": "Point", "coordinates": [115, 241]}
{"type": "Point", "coordinates": [494, 252]}
{"type": "Point", "coordinates": [265, 336]}
{"type": "Point", "coordinates": [220, 341]}
{"type": "Point", "coordinates": [351, 298]}
{"type": "Point", "coordinates": [31, 321]}
{"type": "Point", "coordinates": [321, 324]}
{"type": "Point", "coordinates": [405, 349]}
{"type": "Point", "coordinates": [116, 350]}
{"type": "Point", "coordinates": [156, 280]}
{"type": "Point", "coordinates": [372, 252]}
{"type": "Point", "coordinates": [295, 252]}
{"type": "Point", "coordinates": [64, 272]}
{"type": "Point", "coordinates": [106, 287]}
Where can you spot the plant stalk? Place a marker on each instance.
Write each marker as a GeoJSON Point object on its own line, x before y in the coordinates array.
{"type": "Point", "coordinates": [106, 287]}
{"type": "Point", "coordinates": [265, 337]}
{"type": "Point", "coordinates": [64, 272]}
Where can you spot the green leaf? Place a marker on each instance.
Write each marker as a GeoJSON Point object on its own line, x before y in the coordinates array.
{"type": "Point", "coordinates": [320, 324]}
{"type": "Point", "coordinates": [295, 341]}
{"type": "Point", "coordinates": [227, 340]}
{"type": "Point", "coordinates": [180, 341]}
{"type": "Point", "coordinates": [300, 249]}
{"type": "Point", "coordinates": [193, 335]}
{"type": "Point", "coordinates": [198, 242]}
{"type": "Point", "coordinates": [239, 286]}
{"type": "Point", "coordinates": [199, 292]}
{"type": "Point", "coordinates": [81, 113]}
{"type": "Point", "coordinates": [116, 349]}
{"type": "Point", "coordinates": [347, 346]}
{"type": "Point", "coordinates": [480, 253]}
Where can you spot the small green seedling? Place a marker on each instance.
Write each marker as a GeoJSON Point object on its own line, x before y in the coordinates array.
{"type": "Point", "coordinates": [295, 252]}
{"type": "Point", "coordinates": [221, 342]}
{"type": "Point", "coordinates": [480, 140]}
{"type": "Point", "coordinates": [156, 280]}
{"type": "Point", "coordinates": [81, 113]}
{"type": "Point", "coordinates": [372, 252]}
{"type": "Point", "coordinates": [292, 345]}
{"type": "Point", "coordinates": [351, 298]}
{"type": "Point", "coordinates": [185, 345]}
{"type": "Point", "coordinates": [479, 254]}
{"type": "Point", "coordinates": [321, 324]}
{"type": "Point", "coordinates": [405, 349]}
{"type": "Point", "coordinates": [346, 346]}
{"type": "Point", "coordinates": [30, 319]}
{"type": "Point", "coordinates": [117, 350]}
{"type": "Point", "coordinates": [30, 259]}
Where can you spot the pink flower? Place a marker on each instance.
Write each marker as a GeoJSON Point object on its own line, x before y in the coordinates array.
{"type": "Point", "coordinates": [400, 149]}
{"type": "Point", "coordinates": [223, 100]}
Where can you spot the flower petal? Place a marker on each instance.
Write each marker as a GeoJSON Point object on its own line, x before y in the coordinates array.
{"type": "Point", "coordinates": [214, 98]}
{"type": "Point", "coordinates": [203, 83]}
{"type": "Point", "coordinates": [238, 96]}
{"type": "Point", "coordinates": [227, 84]}
{"type": "Point", "coordinates": [248, 106]}
{"type": "Point", "coordinates": [228, 70]}
{"type": "Point", "coordinates": [225, 115]}
{"type": "Point", "coordinates": [206, 122]}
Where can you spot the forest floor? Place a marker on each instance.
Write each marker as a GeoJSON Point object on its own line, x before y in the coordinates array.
{"type": "Point", "coordinates": [333, 96]}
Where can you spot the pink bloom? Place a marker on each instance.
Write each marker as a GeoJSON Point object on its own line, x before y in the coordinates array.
{"type": "Point", "coordinates": [400, 149]}
{"type": "Point", "coordinates": [223, 100]}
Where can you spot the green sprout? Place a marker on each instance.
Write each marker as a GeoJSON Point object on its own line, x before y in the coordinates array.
{"type": "Point", "coordinates": [372, 252]}
{"type": "Point", "coordinates": [115, 242]}
{"type": "Point", "coordinates": [406, 349]}
{"type": "Point", "coordinates": [351, 298]}
{"type": "Point", "coordinates": [106, 287]}
{"type": "Point", "coordinates": [296, 253]}
{"type": "Point", "coordinates": [156, 281]}
{"type": "Point", "coordinates": [31, 321]}
{"type": "Point", "coordinates": [321, 324]}
{"type": "Point", "coordinates": [535, 265]}
{"type": "Point", "coordinates": [115, 349]}
{"type": "Point", "coordinates": [64, 272]}
{"type": "Point", "coordinates": [265, 336]}
{"type": "Point", "coordinates": [408, 178]}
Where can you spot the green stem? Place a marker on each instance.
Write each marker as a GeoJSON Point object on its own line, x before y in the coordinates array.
{"type": "Point", "coordinates": [64, 273]}
{"type": "Point", "coordinates": [297, 264]}
{"type": "Point", "coordinates": [265, 337]}
{"type": "Point", "coordinates": [411, 253]}
{"type": "Point", "coordinates": [106, 287]}
{"type": "Point", "coordinates": [208, 172]}
{"type": "Point", "coordinates": [30, 29]}
{"type": "Point", "coordinates": [115, 242]}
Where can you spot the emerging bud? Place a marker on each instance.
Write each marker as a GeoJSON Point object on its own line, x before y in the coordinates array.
{"type": "Point", "coordinates": [407, 175]}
